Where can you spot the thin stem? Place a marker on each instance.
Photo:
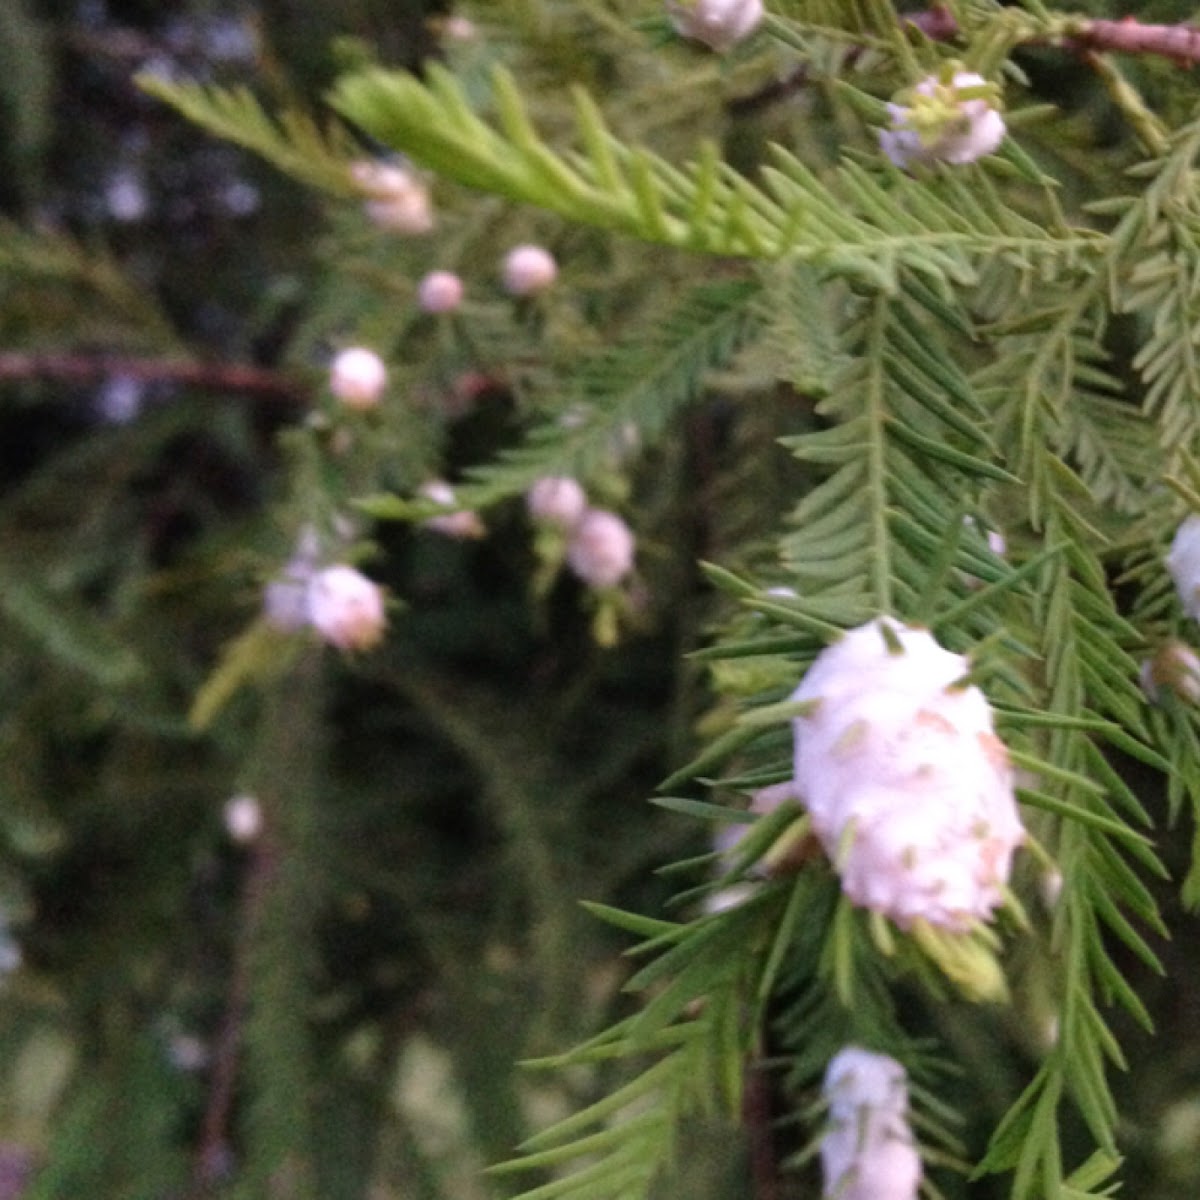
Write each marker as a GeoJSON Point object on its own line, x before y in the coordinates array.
{"type": "Point", "coordinates": [756, 1119]}
{"type": "Point", "coordinates": [207, 376]}
{"type": "Point", "coordinates": [213, 1148]}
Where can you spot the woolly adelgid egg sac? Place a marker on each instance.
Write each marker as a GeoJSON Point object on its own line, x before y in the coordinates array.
{"type": "Point", "coordinates": [868, 1151]}
{"type": "Point", "coordinates": [909, 790]}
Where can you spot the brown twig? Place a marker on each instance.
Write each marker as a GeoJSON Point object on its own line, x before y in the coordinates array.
{"type": "Point", "coordinates": [756, 1120]}
{"type": "Point", "coordinates": [212, 1151]}
{"type": "Point", "coordinates": [1126, 36]}
{"type": "Point", "coordinates": [207, 376]}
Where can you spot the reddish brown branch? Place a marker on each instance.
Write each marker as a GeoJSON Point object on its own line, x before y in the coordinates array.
{"type": "Point", "coordinates": [207, 376]}
{"type": "Point", "coordinates": [756, 1121]}
{"type": "Point", "coordinates": [1179, 42]}
{"type": "Point", "coordinates": [212, 1154]}
{"type": "Point", "coordinates": [1126, 36]}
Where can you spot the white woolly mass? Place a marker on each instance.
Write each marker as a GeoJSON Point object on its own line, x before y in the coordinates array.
{"type": "Point", "coordinates": [1175, 666]}
{"type": "Point", "coordinates": [397, 199]}
{"type": "Point", "coordinates": [460, 525]}
{"type": "Point", "coordinates": [357, 377]}
{"type": "Point", "coordinates": [601, 549]}
{"type": "Point", "coordinates": [977, 130]}
{"type": "Point", "coordinates": [867, 1152]}
{"type": "Point", "coordinates": [556, 500]}
{"type": "Point", "coordinates": [440, 292]}
{"type": "Point", "coordinates": [719, 24]}
{"type": "Point", "coordinates": [346, 608]}
{"type": "Point", "coordinates": [909, 789]}
{"type": "Point", "coordinates": [243, 819]}
{"type": "Point", "coordinates": [528, 269]}
{"type": "Point", "coordinates": [1184, 564]}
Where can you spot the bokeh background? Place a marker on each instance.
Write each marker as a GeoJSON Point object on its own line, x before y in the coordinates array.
{"type": "Point", "coordinates": [168, 305]}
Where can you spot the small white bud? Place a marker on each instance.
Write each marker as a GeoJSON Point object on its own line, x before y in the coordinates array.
{"type": "Point", "coordinates": [285, 598]}
{"type": "Point", "coordinates": [528, 269]}
{"type": "Point", "coordinates": [1184, 564]}
{"type": "Point", "coordinates": [357, 378]}
{"type": "Point", "coordinates": [719, 24]}
{"type": "Point", "coordinates": [346, 608]}
{"type": "Point", "coordinates": [187, 1052]}
{"type": "Point", "coordinates": [461, 525]}
{"type": "Point", "coordinates": [909, 789]}
{"type": "Point", "coordinates": [939, 124]}
{"type": "Point", "coordinates": [556, 500]}
{"type": "Point", "coordinates": [440, 292]}
{"type": "Point", "coordinates": [1175, 666]}
{"type": "Point", "coordinates": [601, 549]}
{"type": "Point", "coordinates": [459, 29]}
{"type": "Point", "coordinates": [396, 199]}
{"type": "Point", "coordinates": [724, 843]}
{"type": "Point", "coordinates": [243, 819]}
{"type": "Point", "coordinates": [868, 1152]}
{"type": "Point", "coordinates": [1050, 884]}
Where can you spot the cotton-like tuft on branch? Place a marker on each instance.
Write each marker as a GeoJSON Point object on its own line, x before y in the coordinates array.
{"type": "Point", "coordinates": [556, 500]}
{"type": "Point", "coordinates": [953, 121]}
{"type": "Point", "coordinates": [527, 270]}
{"type": "Point", "coordinates": [909, 789]}
{"type": "Point", "coordinates": [440, 292]}
{"type": "Point", "coordinates": [462, 525]}
{"type": "Point", "coordinates": [346, 608]}
{"type": "Point", "coordinates": [397, 199]}
{"type": "Point", "coordinates": [868, 1151]}
{"type": "Point", "coordinates": [243, 819]}
{"type": "Point", "coordinates": [1184, 564]}
{"type": "Point", "coordinates": [719, 24]}
{"type": "Point", "coordinates": [601, 549]}
{"type": "Point", "coordinates": [1175, 666]}
{"type": "Point", "coordinates": [357, 377]}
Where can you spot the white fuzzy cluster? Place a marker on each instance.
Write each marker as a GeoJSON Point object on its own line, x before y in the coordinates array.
{"type": "Point", "coordinates": [1184, 564]}
{"type": "Point", "coordinates": [557, 500]}
{"type": "Point", "coordinates": [601, 548]}
{"type": "Point", "coordinates": [909, 789]}
{"type": "Point", "coordinates": [940, 124]}
{"type": "Point", "coordinates": [285, 598]}
{"type": "Point", "coordinates": [527, 270]}
{"type": "Point", "coordinates": [719, 24]}
{"type": "Point", "coordinates": [357, 377]}
{"type": "Point", "coordinates": [243, 818]}
{"type": "Point", "coordinates": [396, 198]}
{"type": "Point", "coordinates": [600, 545]}
{"type": "Point", "coordinates": [1175, 666]}
{"type": "Point", "coordinates": [461, 525]}
{"type": "Point", "coordinates": [440, 292]}
{"type": "Point", "coordinates": [346, 608]}
{"type": "Point", "coordinates": [868, 1152]}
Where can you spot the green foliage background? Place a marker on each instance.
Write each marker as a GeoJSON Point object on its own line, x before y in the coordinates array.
{"type": "Point", "coordinates": [408, 928]}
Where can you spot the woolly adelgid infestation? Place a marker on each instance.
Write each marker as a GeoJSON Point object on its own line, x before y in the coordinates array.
{"type": "Point", "coordinates": [358, 377]}
{"type": "Point", "coordinates": [951, 119]}
{"type": "Point", "coordinates": [827, 316]}
{"type": "Point", "coordinates": [1184, 564]}
{"type": "Point", "coordinates": [868, 1151]}
{"type": "Point", "coordinates": [909, 789]}
{"type": "Point", "coordinates": [346, 608]}
{"type": "Point", "coordinates": [557, 500]}
{"type": "Point", "coordinates": [601, 548]}
{"type": "Point", "coordinates": [719, 24]}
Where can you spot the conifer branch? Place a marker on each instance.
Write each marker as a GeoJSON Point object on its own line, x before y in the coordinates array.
{"type": "Point", "coordinates": [1128, 35]}
{"type": "Point", "coordinates": [86, 369]}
